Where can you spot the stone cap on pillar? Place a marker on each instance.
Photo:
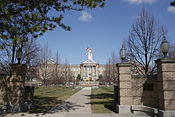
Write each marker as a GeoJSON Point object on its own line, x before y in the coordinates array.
{"type": "Point", "coordinates": [17, 65]}
{"type": "Point", "coordinates": [127, 64]}
{"type": "Point", "coordinates": [124, 68]}
{"type": "Point", "coordinates": [165, 60]}
{"type": "Point", "coordinates": [18, 69]}
{"type": "Point", "coordinates": [166, 65]}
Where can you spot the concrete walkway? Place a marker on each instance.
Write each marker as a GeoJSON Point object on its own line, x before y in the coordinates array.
{"type": "Point", "coordinates": [77, 105]}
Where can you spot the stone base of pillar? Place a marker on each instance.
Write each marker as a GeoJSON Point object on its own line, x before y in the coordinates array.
{"type": "Point", "coordinates": [17, 108]}
{"type": "Point", "coordinates": [144, 110]}
{"type": "Point", "coordinates": [114, 106]}
{"type": "Point", "coordinates": [124, 109]}
{"type": "Point", "coordinates": [162, 113]}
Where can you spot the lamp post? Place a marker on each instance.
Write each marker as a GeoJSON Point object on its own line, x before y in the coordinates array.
{"type": "Point", "coordinates": [123, 54]}
{"type": "Point", "coordinates": [164, 47]}
{"type": "Point", "coordinates": [172, 3]}
{"type": "Point", "coordinates": [19, 55]}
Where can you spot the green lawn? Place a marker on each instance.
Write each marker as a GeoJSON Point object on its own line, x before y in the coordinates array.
{"type": "Point", "coordinates": [101, 99]}
{"type": "Point", "coordinates": [47, 97]}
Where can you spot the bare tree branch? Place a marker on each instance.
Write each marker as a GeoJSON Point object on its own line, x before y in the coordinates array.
{"type": "Point", "coordinates": [144, 40]}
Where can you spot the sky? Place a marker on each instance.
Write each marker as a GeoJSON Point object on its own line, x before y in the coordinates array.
{"type": "Point", "coordinates": [104, 29]}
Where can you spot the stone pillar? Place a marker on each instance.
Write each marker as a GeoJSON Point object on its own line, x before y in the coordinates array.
{"type": "Point", "coordinates": [166, 87]}
{"type": "Point", "coordinates": [16, 88]}
{"type": "Point", "coordinates": [2, 90]}
{"type": "Point", "coordinates": [124, 94]}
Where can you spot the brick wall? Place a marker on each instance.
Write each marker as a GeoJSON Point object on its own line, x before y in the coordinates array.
{"type": "Point", "coordinates": [153, 91]}
{"type": "Point", "coordinates": [166, 83]}
{"type": "Point", "coordinates": [125, 95]}
{"type": "Point", "coordinates": [136, 89]}
{"type": "Point", "coordinates": [144, 90]}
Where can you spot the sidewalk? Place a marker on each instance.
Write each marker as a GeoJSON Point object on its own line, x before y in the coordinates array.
{"type": "Point", "coordinates": [77, 105]}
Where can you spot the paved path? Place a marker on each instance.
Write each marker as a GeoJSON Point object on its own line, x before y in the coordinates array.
{"type": "Point", "coordinates": [77, 105]}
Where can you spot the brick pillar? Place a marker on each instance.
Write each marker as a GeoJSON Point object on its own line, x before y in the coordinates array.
{"type": "Point", "coordinates": [3, 89]}
{"type": "Point", "coordinates": [125, 96]}
{"type": "Point", "coordinates": [166, 87]}
{"type": "Point", "coordinates": [16, 88]}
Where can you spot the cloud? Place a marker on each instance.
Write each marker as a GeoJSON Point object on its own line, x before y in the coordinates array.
{"type": "Point", "coordinates": [135, 17]}
{"type": "Point", "coordinates": [171, 9]}
{"type": "Point", "coordinates": [85, 16]}
{"type": "Point", "coordinates": [140, 1]}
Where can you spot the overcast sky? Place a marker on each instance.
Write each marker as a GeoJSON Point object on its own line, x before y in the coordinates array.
{"type": "Point", "coordinates": [104, 29]}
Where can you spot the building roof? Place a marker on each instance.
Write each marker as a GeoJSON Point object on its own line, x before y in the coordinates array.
{"type": "Point", "coordinates": [89, 61]}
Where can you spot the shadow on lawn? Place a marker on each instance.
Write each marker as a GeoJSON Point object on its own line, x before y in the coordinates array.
{"type": "Point", "coordinates": [65, 107]}
{"type": "Point", "coordinates": [47, 105]}
{"type": "Point", "coordinates": [51, 105]}
{"type": "Point", "coordinates": [44, 104]}
{"type": "Point", "coordinates": [103, 99]}
{"type": "Point", "coordinates": [101, 96]}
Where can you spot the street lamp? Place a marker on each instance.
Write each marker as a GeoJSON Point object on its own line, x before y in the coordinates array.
{"type": "Point", "coordinates": [164, 47]}
{"type": "Point", "coordinates": [19, 55]}
{"type": "Point", "coordinates": [172, 3]}
{"type": "Point", "coordinates": [123, 53]}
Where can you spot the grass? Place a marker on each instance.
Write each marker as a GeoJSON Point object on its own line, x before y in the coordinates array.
{"type": "Point", "coordinates": [47, 97]}
{"type": "Point", "coordinates": [101, 99]}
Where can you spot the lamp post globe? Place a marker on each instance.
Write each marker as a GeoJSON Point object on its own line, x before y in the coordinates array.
{"type": "Point", "coordinates": [123, 53]}
{"type": "Point", "coordinates": [172, 3]}
{"type": "Point", "coordinates": [164, 47]}
{"type": "Point", "coordinates": [19, 55]}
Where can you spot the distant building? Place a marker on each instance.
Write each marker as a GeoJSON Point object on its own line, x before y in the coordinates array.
{"type": "Point", "coordinates": [89, 70]}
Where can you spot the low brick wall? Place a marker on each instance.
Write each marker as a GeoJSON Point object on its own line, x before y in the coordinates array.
{"type": "Point", "coordinates": [144, 90]}
{"type": "Point", "coordinates": [152, 91]}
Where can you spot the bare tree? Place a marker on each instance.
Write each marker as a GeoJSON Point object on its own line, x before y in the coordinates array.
{"type": "Point", "coordinates": [44, 67]}
{"type": "Point", "coordinates": [67, 73]}
{"type": "Point", "coordinates": [114, 73]}
{"type": "Point", "coordinates": [30, 52]}
{"type": "Point", "coordinates": [110, 72]}
{"type": "Point", "coordinates": [56, 73]}
{"type": "Point", "coordinates": [30, 57]}
{"type": "Point", "coordinates": [144, 41]}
